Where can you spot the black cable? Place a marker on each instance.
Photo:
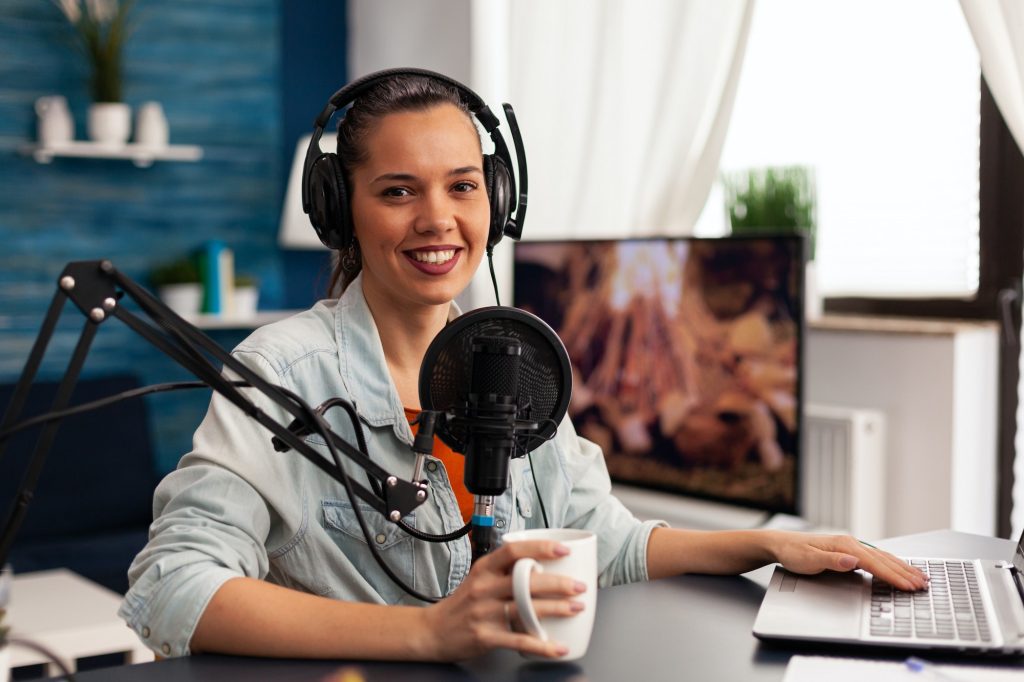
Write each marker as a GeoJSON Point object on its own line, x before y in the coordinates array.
{"type": "Point", "coordinates": [536, 488]}
{"type": "Point", "coordinates": [39, 648]}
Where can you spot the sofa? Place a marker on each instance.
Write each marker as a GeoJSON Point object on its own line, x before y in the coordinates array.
{"type": "Point", "coordinates": [93, 504]}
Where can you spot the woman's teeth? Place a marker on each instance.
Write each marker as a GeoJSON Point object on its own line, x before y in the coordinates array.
{"type": "Point", "coordinates": [434, 257]}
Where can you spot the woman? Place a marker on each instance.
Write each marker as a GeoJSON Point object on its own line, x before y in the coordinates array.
{"type": "Point", "coordinates": [256, 552]}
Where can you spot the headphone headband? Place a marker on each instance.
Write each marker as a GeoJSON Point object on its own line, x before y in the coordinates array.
{"type": "Point", "coordinates": [327, 211]}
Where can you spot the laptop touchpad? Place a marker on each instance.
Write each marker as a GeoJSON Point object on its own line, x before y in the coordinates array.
{"type": "Point", "coordinates": [824, 606]}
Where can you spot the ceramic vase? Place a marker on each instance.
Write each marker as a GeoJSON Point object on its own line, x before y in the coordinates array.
{"type": "Point", "coordinates": [109, 123]}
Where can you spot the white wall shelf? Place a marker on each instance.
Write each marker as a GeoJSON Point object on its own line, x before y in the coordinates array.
{"type": "Point", "coordinates": [262, 317]}
{"type": "Point", "coordinates": [142, 156]}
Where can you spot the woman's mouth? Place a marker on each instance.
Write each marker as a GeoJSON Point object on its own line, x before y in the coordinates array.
{"type": "Point", "coordinates": [434, 261]}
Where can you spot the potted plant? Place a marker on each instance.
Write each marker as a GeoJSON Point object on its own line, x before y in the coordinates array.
{"type": "Point", "coordinates": [777, 200]}
{"type": "Point", "coordinates": [101, 30]}
{"type": "Point", "coordinates": [247, 294]}
{"type": "Point", "coordinates": [179, 285]}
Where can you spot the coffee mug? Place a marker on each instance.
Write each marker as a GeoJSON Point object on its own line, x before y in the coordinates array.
{"type": "Point", "coordinates": [580, 564]}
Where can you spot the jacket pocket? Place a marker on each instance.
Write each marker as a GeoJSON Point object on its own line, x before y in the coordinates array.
{"type": "Point", "coordinates": [394, 545]}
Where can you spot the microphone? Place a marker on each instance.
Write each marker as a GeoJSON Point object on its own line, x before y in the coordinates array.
{"type": "Point", "coordinates": [502, 378]}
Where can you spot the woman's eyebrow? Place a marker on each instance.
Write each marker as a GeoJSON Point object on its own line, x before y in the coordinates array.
{"type": "Point", "coordinates": [408, 177]}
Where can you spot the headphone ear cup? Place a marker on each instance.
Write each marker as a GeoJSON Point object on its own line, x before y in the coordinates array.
{"type": "Point", "coordinates": [499, 195]}
{"type": "Point", "coordinates": [328, 203]}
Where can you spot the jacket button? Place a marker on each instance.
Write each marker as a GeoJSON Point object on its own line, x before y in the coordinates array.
{"type": "Point", "coordinates": [431, 466]}
{"type": "Point", "coordinates": [380, 538]}
{"type": "Point", "coordinates": [166, 648]}
{"type": "Point", "coordinates": [145, 632]}
{"type": "Point", "coordinates": [500, 523]}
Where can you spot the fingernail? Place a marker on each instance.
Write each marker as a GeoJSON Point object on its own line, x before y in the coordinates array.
{"type": "Point", "coordinates": [561, 550]}
{"type": "Point", "coordinates": [848, 561]}
{"type": "Point", "coordinates": [561, 650]}
{"type": "Point", "coordinates": [576, 606]}
{"type": "Point", "coordinates": [579, 586]}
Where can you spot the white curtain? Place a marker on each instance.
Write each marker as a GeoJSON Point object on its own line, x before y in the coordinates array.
{"type": "Point", "coordinates": [624, 106]}
{"type": "Point", "coordinates": [998, 30]}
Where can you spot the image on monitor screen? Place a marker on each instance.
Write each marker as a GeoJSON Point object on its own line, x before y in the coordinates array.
{"type": "Point", "coordinates": [686, 357]}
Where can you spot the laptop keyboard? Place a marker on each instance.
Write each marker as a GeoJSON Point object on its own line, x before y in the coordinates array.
{"type": "Point", "coordinates": [951, 609]}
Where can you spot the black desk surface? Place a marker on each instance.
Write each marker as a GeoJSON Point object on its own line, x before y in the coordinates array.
{"type": "Point", "coordinates": [686, 628]}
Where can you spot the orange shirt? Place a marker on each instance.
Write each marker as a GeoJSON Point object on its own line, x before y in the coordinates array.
{"type": "Point", "coordinates": [454, 464]}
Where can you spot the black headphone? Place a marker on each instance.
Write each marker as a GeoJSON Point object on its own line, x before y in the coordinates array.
{"type": "Point", "coordinates": [325, 196]}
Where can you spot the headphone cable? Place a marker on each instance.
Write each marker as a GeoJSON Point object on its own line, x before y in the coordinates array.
{"type": "Point", "coordinates": [494, 280]}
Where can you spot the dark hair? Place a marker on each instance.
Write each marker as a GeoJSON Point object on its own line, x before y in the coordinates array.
{"type": "Point", "coordinates": [396, 94]}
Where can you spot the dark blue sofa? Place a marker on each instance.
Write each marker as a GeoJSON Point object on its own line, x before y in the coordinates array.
{"type": "Point", "coordinates": [93, 505]}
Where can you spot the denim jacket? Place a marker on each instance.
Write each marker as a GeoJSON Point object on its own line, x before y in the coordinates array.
{"type": "Point", "coordinates": [236, 507]}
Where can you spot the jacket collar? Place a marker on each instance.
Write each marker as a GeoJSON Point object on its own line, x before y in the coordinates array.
{"type": "Point", "coordinates": [364, 370]}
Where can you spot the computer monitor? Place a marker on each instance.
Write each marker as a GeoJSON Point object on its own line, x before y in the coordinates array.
{"type": "Point", "coordinates": [686, 356]}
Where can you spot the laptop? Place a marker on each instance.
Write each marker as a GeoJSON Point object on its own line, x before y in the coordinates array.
{"type": "Point", "coordinates": [974, 606]}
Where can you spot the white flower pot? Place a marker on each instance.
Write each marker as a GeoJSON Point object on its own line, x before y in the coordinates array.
{"type": "Point", "coordinates": [109, 123]}
{"type": "Point", "coordinates": [184, 299]}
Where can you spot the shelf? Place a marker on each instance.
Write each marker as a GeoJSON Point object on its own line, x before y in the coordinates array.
{"type": "Point", "coordinates": [142, 156]}
{"type": "Point", "coordinates": [262, 317]}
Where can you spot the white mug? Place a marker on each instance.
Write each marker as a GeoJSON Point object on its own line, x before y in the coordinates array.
{"type": "Point", "coordinates": [151, 127]}
{"type": "Point", "coordinates": [580, 564]}
{"type": "Point", "coordinates": [55, 125]}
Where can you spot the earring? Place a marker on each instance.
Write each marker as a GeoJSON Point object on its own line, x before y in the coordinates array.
{"type": "Point", "coordinates": [350, 257]}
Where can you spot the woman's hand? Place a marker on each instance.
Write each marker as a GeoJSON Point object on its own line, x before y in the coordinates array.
{"type": "Point", "coordinates": [806, 553]}
{"type": "Point", "coordinates": [480, 615]}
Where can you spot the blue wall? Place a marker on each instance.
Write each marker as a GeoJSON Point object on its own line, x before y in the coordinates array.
{"type": "Point", "coordinates": [217, 68]}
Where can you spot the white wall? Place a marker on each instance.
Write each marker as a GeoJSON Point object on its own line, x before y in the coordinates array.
{"type": "Point", "coordinates": [426, 34]}
{"type": "Point", "coordinates": [938, 389]}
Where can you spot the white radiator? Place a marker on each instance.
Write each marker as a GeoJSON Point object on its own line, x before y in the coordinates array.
{"type": "Point", "coordinates": [842, 481]}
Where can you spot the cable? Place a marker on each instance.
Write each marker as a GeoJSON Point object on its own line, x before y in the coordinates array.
{"type": "Point", "coordinates": [536, 488]}
{"type": "Point", "coordinates": [39, 648]}
{"type": "Point", "coordinates": [494, 280]}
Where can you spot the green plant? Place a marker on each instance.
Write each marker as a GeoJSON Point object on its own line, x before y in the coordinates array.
{"type": "Point", "coordinates": [773, 199]}
{"type": "Point", "coordinates": [246, 281]}
{"type": "Point", "coordinates": [101, 28]}
{"type": "Point", "coordinates": [180, 271]}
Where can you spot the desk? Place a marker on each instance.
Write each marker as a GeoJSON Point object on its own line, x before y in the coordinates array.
{"type": "Point", "coordinates": [686, 628]}
{"type": "Point", "coordinates": [71, 616]}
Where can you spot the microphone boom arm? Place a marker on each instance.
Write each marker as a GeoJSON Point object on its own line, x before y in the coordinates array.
{"type": "Point", "coordinates": [96, 287]}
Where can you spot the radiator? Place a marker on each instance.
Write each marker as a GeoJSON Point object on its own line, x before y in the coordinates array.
{"type": "Point", "coordinates": [842, 481]}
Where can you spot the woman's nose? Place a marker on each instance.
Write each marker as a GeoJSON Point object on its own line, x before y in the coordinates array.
{"type": "Point", "coordinates": [437, 213]}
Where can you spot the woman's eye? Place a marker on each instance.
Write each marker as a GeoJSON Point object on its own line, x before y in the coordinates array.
{"type": "Point", "coordinates": [464, 186]}
{"type": "Point", "coordinates": [396, 192]}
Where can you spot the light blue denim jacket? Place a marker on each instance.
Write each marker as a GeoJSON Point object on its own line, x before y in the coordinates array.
{"type": "Point", "coordinates": [236, 507]}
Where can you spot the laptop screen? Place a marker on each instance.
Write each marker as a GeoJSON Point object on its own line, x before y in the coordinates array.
{"type": "Point", "coordinates": [1018, 556]}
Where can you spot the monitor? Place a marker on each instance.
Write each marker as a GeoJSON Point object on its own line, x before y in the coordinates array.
{"type": "Point", "coordinates": [686, 357]}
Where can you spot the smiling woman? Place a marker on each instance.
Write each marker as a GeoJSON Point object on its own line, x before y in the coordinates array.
{"type": "Point", "coordinates": [255, 553]}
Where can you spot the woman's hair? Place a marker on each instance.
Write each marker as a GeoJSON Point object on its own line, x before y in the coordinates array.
{"type": "Point", "coordinates": [396, 94]}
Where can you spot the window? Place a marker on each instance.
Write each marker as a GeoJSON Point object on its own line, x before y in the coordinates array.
{"type": "Point", "coordinates": [881, 99]}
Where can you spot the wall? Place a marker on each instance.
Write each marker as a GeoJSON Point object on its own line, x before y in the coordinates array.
{"type": "Point", "coordinates": [216, 66]}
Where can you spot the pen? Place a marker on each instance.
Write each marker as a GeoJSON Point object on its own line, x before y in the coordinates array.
{"type": "Point", "coordinates": [919, 665]}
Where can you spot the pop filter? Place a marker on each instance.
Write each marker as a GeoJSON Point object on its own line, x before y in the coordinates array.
{"type": "Point", "coordinates": [544, 381]}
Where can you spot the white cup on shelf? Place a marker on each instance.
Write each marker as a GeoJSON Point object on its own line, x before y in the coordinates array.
{"type": "Point", "coordinates": [55, 125]}
{"type": "Point", "coordinates": [151, 128]}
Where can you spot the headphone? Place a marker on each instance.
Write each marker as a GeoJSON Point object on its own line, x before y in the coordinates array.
{"type": "Point", "coordinates": [325, 195]}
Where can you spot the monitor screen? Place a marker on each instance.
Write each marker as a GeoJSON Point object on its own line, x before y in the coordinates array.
{"type": "Point", "coordinates": [686, 358]}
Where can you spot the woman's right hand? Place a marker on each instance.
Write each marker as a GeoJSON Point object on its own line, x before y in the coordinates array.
{"type": "Point", "coordinates": [480, 614]}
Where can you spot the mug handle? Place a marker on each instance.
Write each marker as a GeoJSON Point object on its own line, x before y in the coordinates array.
{"type": "Point", "coordinates": [521, 591]}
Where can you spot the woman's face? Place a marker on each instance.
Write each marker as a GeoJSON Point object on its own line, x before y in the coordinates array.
{"type": "Point", "coordinates": [419, 207]}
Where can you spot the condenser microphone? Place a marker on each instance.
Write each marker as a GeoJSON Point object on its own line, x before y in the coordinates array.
{"type": "Point", "coordinates": [501, 376]}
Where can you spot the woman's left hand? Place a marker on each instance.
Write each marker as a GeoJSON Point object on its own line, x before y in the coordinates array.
{"type": "Point", "coordinates": [807, 553]}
